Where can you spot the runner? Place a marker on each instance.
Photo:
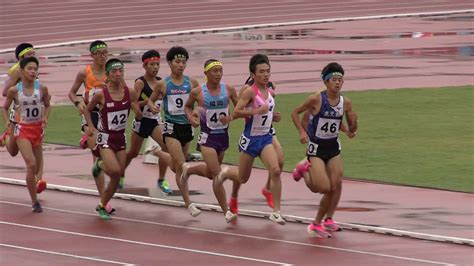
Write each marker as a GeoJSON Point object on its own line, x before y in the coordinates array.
{"type": "Point", "coordinates": [325, 164]}
{"type": "Point", "coordinates": [93, 78]}
{"type": "Point", "coordinates": [178, 132]}
{"type": "Point", "coordinates": [149, 125]}
{"type": "Point", "coordinates": [29, 97]}
{"type": "Point", "coordinates": [114, 102]}
{"type": "Point", "coordinates": [257, 105]}
{"type": "Point", "coordinates": [213, 99]}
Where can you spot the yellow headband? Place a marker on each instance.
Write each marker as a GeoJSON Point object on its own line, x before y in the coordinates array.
{"type": "Point", "coordinates": [22, 53]}
{"type": "Point", "coordinates": [211, 65]}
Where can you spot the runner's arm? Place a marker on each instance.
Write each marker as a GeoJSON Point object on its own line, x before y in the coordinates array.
{"type": "Point", "coordinates": [11, 93]}
{"type": "Point", "coordinates": [189, 106]}
{"type": "Point", "coordinates": [12, 80]}
{"type": "Point", "coordinates": [72, 95]}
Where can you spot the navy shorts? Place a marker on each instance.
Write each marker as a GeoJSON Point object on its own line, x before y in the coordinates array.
{"type": "Point", "coordinates": [325, 151]}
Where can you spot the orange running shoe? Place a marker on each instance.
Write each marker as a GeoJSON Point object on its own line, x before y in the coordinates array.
{"type": "Point", "coordinates": [233, 205]}
{"type": "Point", "coordinates": [268, 195]}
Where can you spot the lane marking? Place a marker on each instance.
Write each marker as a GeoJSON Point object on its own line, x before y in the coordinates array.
{"type": "Point", "coordinates": [65, 254]}
{"type": "Point", "coordinates": [238, 235]}
{"type": "Point", "coordinates": [142, 243]}
{"type": "Point", "coordinates": [250, 26]}
{"type": "Point", "coordinates": [258, 214]}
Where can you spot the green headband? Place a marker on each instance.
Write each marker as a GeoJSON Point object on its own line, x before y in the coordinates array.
{"type": "Point", "coordinates": [98, 46]}
{"type": "Point", "coordinates": [114, 65]}
{"type": "Point", "coordinates": [180, 56]}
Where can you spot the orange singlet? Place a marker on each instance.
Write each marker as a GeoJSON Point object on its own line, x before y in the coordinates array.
{"type": "Point", "coordinates": [92, 84]}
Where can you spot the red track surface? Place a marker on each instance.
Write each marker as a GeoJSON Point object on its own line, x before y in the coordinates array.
{"type": "Point", "coordinates": [168, 235]}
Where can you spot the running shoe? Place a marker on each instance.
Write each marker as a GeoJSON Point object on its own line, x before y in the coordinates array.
{"type": "Point", "coordinates": [230, 217]}
{"type": "Point", "coordinates": [37, 207]}
{"type": "Point", "coordinates": [96, 169]}
{"type": "Point", "coordinates": [300, 169]}
{"type": "Point", "coordinates": [330, 225]}
{"type": "Point", "coordinates": [268, 195]}
{"type": "Point", "coordinates": [83, 141]}
{"type": "Point", "coordinates": [164, 185]}
{"type": "Point", "coordinates": [107, 207]}
{"type": "Point", "coordinates": [234, 205]}
{"type": "Point", "coordinates": [103, 214]}
{"type": "Point", "coordinates": [121, 182]}
{"type": "Point", "coordinates": [184, 174]}
{"type": "Point", "coordinates": [317, 230]}
{"type": "Point", "coordinates": [193, 210]}
{"type": "Point", "coordinates": [277, 218]}
{"type": "Point", "coordinates": [40, 186]}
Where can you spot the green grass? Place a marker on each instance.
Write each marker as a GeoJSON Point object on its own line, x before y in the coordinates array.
{"type": "Point", "coordinates": [420, 137]}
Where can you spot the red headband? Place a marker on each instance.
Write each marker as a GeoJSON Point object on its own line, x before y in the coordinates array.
{"type": "Point", "coordinates": [154, 58]}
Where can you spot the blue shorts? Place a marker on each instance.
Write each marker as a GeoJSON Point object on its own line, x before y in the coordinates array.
{"type": "Point", "coordinates": [254, 145]}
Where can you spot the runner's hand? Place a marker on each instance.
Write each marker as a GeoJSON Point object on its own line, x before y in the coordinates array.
{"type": "Point", "coordinates": [276, 117]}
{"type": "Point", "coordinates": [304, 137]}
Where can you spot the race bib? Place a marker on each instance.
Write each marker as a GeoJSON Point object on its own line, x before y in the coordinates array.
{"type": "Point", "coordinates": [117, 120]}
{"type": "Point", "coordinates": [176, 103]}
{"type": "Point", "coordinates": [312, 149]}
{"type": "Point", "coordinates": [202, 138]}
{"type": "Point", "coordinates": [168, 128]}
{"type": "Point", "coordinates": [261, 124]}
{"type": "Point", "coordinates": [102, 138]}
{"type": "Point", "coordinates": [213, 118]}
{"type": "Point", "coordinates": [328, 128]}
{"type": "Point", "coordinates": [148, 114]}
{"type": "Point", "coordinates": [244, 142]}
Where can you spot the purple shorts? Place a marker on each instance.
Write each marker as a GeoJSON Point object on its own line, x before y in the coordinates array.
{"type": "Point", "coordinates": [218, 142]}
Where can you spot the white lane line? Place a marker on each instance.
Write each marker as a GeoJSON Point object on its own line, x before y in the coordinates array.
{"type": "Point", "coordinates": [230, 28]}
{"type": "Point", "coordinates": [142, 243]}
{"type": "Point", "coordinates": [65, 254]}
{"type": "Point", "coordinates": [241, 235]}
{"type": "Point", "coordinates": [131, 24]}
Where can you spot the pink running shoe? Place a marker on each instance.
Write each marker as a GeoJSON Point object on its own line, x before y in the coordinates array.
{"type": "Point", "coordinates": [233, 205]}
{"type": "Point", "coordinates": [318, 231]}
{"type": "Point", "coordinates": [268, 195]}
{"type": "Point", "coordinates": [330, 225]}
{"type": "Point", "coordinates": [300, 169]}
{"type": "Point", "coordinates": [83, 141]}
{"type": "Point", "coordinates": [41, 186]}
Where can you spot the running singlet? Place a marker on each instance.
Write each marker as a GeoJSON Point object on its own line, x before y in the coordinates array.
{"type": "Point", "coordinates": [92, 84]}
{"type": "Point", "coordinates": [176, 97]}
{"type": "Point", "coordinates": [324, 126]}
{"type": "Point", "coordinates": [31, 107]}
{"type": "Point", "coordinates": [146, 93]}
{"type": "Point", "coordinates": [213, 107]}
{"type": "Point", "coordinates": [114, 114]}
{"type": "Point", "coordinates": [259, 125]}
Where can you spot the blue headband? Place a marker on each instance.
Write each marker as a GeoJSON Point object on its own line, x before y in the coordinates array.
{"type": "Point", "coordinates": [330, 75]}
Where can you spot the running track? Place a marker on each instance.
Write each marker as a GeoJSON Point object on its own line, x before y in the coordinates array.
{"type": "Point", "coordinates": [45, 22]}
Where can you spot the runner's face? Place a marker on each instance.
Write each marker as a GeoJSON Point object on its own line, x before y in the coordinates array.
{"type": "Point", "coordinates": [262, 74]}
{"type": "Point", "coordinates": [152, 67]}
{"type": "Point", "coordinates": [116, 75]}
{"type": "Point", "coordinates": [178, 66]}
{"type": "Point", "coordinates": [100, 56]}
{"type": "Point", "coordinates": [30, 71]}
{"type": "Point", "coordinates": [334, 84]}
{"type": "Point", "coordinates": [214, 75]}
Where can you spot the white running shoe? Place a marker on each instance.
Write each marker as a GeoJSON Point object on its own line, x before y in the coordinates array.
{"type": "Point", "coordinates": [152, 149]}
{"type": "Point", "coordinates": [277, 218]}
{"type": "Point", "coordinates": [230, 217]}
{"type": "Point", "coordinates": [193, 210]}
{"type": "Point", "coordinates": [184, 175]}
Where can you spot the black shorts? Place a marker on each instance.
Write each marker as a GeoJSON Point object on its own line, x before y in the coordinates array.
{"type": "Point", "coordinates": [95, 120]}
{"type": "Point", "coordinates": [325, 151]}
{"type": "Point", "coordinates": [144, 127]}
{"type": "Point", "coordinates": [183, 133]}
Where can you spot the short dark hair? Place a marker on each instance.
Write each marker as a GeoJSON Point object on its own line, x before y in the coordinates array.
{"type": "Point", "coordinates": [95, 43]}
{"type": "Point", "coordinates": [256, 60]}
{"type": "Point", "coordinates": [174, 51]}
{"type": "Point", "coordinates": [26, 60]}
{"type": "Point", "coordinates": [150, 54]}
{"type": "Point", "coordinates": [20, 48]}
{"type": "Point", "coordinates": [331, 68]}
